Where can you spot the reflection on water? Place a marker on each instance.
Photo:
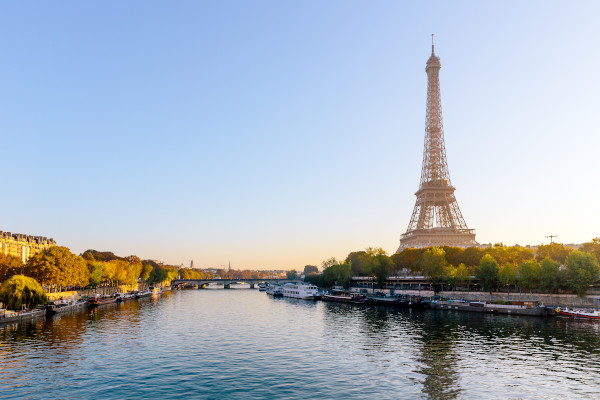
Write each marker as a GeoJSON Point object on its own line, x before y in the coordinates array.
{"type": "Point", "coordinates": [244, 344]}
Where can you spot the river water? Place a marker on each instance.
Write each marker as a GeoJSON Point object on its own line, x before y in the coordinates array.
{"type": "Point", "coordinates": [243, 344]}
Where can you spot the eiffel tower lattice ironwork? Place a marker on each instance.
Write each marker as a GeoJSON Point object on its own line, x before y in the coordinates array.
{"type": "Point", "coordinates": [436, 219]}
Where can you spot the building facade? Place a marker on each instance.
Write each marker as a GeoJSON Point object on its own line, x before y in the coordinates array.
{"type": "Point", "coordinates": [23, 246]}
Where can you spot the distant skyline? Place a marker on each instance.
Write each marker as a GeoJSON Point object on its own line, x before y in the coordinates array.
{"type": "Point", "coordinates": [275, 135]}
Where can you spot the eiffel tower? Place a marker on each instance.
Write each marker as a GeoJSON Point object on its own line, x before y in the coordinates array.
{"type": "Point", "coordinates": [436, 219]}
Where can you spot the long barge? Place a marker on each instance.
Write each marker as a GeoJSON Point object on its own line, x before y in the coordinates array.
{"type": "Point", "coordinates": [12, 316]}
{"type": "Point", "coordinates": [62, 306]}
{"type": "Point", "coordinates": [513, 308]}
{"type": "Point", "coordinates": [100, 300]}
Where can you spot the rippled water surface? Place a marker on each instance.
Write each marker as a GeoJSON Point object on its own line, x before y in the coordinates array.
{"type": "Point", "coordinates": [237, 344]}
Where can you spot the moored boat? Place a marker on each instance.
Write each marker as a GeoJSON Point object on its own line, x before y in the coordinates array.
{"type": "Point", "coordinates": [63, 306]}
{"type": "Point", "coordinates": [275, 290]}
{"type": "Point", "coordinates": [262, 287]}
{"type": "Point", "coordinates": [300, 291]}
{"type": "Point", "coordinates": [578, 313]}
{"type": "Point", "coordinates": [98, 300]}
{"type": "Point", "coordinates": [529, 308]}
{"type": "Point", "coordinates": [345, 298]}
{"type": "Point", "coordinates": [143, 293]}
{"type": "Point", "coordinates": [15, 316]}
{"type": "Point", "coordinates": [395, 301]}
{"type": "Point", "coordinates": [121, 297]}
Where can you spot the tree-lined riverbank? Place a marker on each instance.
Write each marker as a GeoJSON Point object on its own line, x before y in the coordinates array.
{"type": "Point", "coordinates": [553, 268]}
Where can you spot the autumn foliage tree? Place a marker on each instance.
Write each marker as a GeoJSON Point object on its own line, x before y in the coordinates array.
{"type": "Point", "coordinates": [9, 266]}
{"type": "Point", "coordinates": [57, 267]}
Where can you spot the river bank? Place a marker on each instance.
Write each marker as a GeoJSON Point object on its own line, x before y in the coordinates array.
{"type": "Point", "coordinates": [551, 300]}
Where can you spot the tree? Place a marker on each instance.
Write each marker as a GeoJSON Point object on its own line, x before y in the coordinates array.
{"type": "Point", "coordinates": [329, 262]}
{"type": "Point", "coordinates": [592, 247]}
{"type": "Point", "coordinates": [550, 276]}
{"type": "Point", "coordinates": [9, 266]}
{"type": "Point", "coordinates": [407, 259]}
{"type": "Point", "coordinates": [432, 263]}
{"type": "Point", "coordinates": [582, 271]}
{"type": "Point", "coordinates": [463, 275]}
{"type": "Point", "coordinates": [555, 251]}
{"type": "Point", "coordinates": [507, 275]}
{"type": "Point", "coordinates": [293, 274]}
{"type": "Point", "coordinates": [57, 266]}
{"type": "Point", "coordinates": [529, 275]}
{"type": "Point", "coordinates": [360, 262]}
{"type": "Point", "coordinates": [310, 269]}
{"type": "Point", "coordinates": [336, 274]}
{"type": "Point", "coordinates": [450, 275]}
{"type": "Point", "coordinates": [146, 271]}
{"type": "Point", "coordinates": [96, 273]}
{"type": "Point", "coordinates": [471, 257]}
{"type": "Point", "coordinates": [488, 273]}
{"type": "Point", "coordinates": [453, 254]}
{"type": "Point", "coordinates": [375, 251]}
{"type": "Point", "coordinates": [381, 268]}
{"type": "Point", "coordinates": [94, 255]}
{"type": "Point", "coordinates": [21, 291]}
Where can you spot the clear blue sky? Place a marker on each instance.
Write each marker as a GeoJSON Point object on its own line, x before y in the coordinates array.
{"type": "Point", "coordinates": [276, 134]}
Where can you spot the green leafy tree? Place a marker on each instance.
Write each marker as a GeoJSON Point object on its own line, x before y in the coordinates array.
{"type": "Point", "coordinates": [381, 268]}
{"type": "Point", "coordinates": [551, 276]}
{"type": "Point", "coordinates": [487, 273]}
{"type": "Point", "coordinates": [471, 257]}
{"type": "Point", "coordinates": [329, 262]}
{"type": "Point", "coordinates": [592, 247]}
{"type": "Point", "coordinates": [432, 263]}
{"type": "Point", "coordinates": [20, 291]}
{"type": "Point", "coordinates": [450, 275]}
{"type": "Point", "coordinates": [529, 275]}
{"type": "Point", "coordinates": [582, 271]}
{"type": "Point", "coordinates": [57, 266]}
{"type": "Point", "coordinates": [293, 274]}
{"type": "Point", "coordinates": [463, 275]}
{"type": "Point", "coordinates": [96, 273]}
{"type": "Point", "coordinates": [555, 251]}
{"type": "Point", "coordinates": [360, 262]}
{"type": "Point", "coordinates": [375, 251]}
{"type": "Point", "coordinates": [407, 259]}
{"type": "Point", "coordinates": [507, 275]}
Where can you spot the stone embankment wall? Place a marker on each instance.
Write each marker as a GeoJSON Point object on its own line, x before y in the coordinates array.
{"type": "Point", "coordinates": [553, 300]}
{"type": "Point", "coordinates": [23, 246]}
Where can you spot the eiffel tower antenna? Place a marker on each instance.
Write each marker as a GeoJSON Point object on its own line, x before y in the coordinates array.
{"type": "Point", "coordinates": [436, 219]}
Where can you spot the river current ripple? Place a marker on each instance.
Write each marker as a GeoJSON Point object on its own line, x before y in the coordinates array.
{"type": "Point", "coordinates": [243, 344]}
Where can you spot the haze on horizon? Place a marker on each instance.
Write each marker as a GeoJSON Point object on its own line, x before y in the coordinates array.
{"type": "Point", "coordinates": [275, 135]}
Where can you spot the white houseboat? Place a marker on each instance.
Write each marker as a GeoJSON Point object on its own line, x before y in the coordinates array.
{"type": "Point", "coordinates": [300, 290]}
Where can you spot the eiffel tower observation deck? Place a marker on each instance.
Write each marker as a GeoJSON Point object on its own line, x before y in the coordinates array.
{"type": "Point", "coordinates": [436, 219]}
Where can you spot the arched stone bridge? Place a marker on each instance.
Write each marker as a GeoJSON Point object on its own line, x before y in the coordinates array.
{"type": "Point", "coordinates": [179, 283]}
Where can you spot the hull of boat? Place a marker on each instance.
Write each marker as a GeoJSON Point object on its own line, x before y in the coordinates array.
{"type": "Point", "coordinates": [23, 316]}
{"type": "Point", "coordinates": [100, 302]}
{"type": "Point", "coordinates": [576, 315]}
{"type": "Point", "coordinates": [390, 303]}
{"type": "Point", "coordinates": [65, 309]}
{"type": "Point", "coordinates": [344, 299]}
